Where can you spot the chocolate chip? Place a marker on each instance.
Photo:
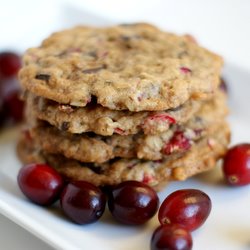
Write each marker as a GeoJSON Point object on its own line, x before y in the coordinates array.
{"type": "Point", "coordinates": [198, 119]}
{"type": "Point", "coordinates": [93, 54]}
{"type": "Point", "coordinates": [182, 54]}
{"type": "Point", "coordinates": [129, 38]}
{"type": "Point", "coordinates": [97, 169]}
{"type": "Point", "coordinates": [93, 102]}
{"type": "Point", "coordinates": [94, 70]}
{"type": "Point", "coordinates": [125, 38]}
{"type": "Point", "coordinates": [93, 167]}
{"type": "Point", "coordinates": [65, 126]}
{"type": "Point", "coordinates": [90, 134]}
{"type": "Point", "coordinates": [44, 77]}
{"type": "Point", "coordinates": [176, 109]}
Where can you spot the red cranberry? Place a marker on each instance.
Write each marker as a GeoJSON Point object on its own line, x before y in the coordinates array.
{"type": "Point", "coordinates": [83, 202]}
{"type": "Point", "coordinates": [133, 202]}
{"type": "Point", "coordinates": [119, 131]}
{"type": "Point", "coordinates": [2, 113]}
{"type": "Point", "coordinates": [14, 106]}
{"type": "Point", "coordinates": [236, 165]}
{"type": "Point", "coordinates": [10, 63]}
{"type": "Point", "coordinates": [172, 237]}
{"type": "Point", "coordinates": [9, 94]}
{"type": "Point", "coordinates": [178, 142]}
{"type": "Point", "coordinates": [8, 86]}
{"type": "Point", "coordinates": [40, 183]}
{"type": "Point", "coordinates": [185, 70]}
{"type": "Point", "coordinates": [187, 207]}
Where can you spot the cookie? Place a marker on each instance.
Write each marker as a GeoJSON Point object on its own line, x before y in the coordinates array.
{"type": "Point", "coordinates": [133, 67]}
{"type": "Point", "coordinates": [106, 122]}
{"type": "Point", "coordinates": [88, 147]}
{"type": "Point", "coordinates": [200, 158]}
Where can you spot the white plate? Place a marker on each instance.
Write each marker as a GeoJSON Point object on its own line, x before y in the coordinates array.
{"type": "Point", "coordinates": [228, 225]}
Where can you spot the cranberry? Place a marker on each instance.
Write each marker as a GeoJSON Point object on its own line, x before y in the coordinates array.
{"type": "Point", "coordinates": [10, 63]}
{"type": "Point", "coordinates": [83, 202]}
{"type": "Point", "coordinates": [11, 104]}
{"type": "Point", "coordinates": [119, 131]}
{"type": "Point", "coordinates": [133, 202]}
{"type": "Point", "coordinates": [40, 183]}
{"type": "Point", "coordinates": [159, 118]}
{"type": "Point", "coordinates": [8, 86]}
{"type": "Point", "coordinates": [2, 113]}
{"type": "Point", "coordinates": [14, 106]}
{"type": "Point", "coordinates": [172, 237]}
{"type": "Point", "coordinates": [187, 207]}
{"type": "Point", "coordinates": [178, 142]}
{"type": "Point", "coordinates": [236, 165]}
{"type": "Point", "coordinates": [185, 70]}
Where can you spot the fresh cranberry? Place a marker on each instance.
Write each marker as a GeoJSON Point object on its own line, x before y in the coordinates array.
{"type": "Point", "coordinates": [14, 106]}
{"type": "Point", "coordinates": [133, 202]}
{"type": "Point", "coordinates": [10, 63]}
{"type": "Point", "coordinates": [11, 103]}
{"type": "Point", "coordinates": [83, 202]}
{"type": "Point", "coordinates": [40, 183]}
{"type": "Point", "coordinates": [187, 207]}
{"type": "Point", "coordinates": [8, 86]}
{"type": "Point", "coordinates": [172, 237]}
{"type": "Point", "coordinates": [236, 165]}
{"type": "Point", "coordinates": [2, 113]}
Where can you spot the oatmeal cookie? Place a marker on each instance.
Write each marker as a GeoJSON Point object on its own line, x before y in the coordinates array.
{"type": "Point", "coordinates": [127, 67]}
{"type": "Point", "coordinates": [202, 157]}
{"type": "Point", "coordinates": [106, 122]}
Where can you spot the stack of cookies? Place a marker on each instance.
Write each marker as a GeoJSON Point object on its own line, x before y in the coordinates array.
{"type": "Point", "coordinates": [128, 102]}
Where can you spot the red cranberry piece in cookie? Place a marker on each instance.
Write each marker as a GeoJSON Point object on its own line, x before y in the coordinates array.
{"type": "Point", "coordinates": [119, 131]}
{"type": "Point", "coordinates": [191, 38]}
{"type": "Point", "coordinates": [152, 122]}
{"type": "Point", "coordinates": [161, 117]}
{"type": "Point", "coordinates": [236, 165]}
{"type": "Point", "coordinates": [178, 142]}
{"type": "Point", "coordinates": [185, 70]}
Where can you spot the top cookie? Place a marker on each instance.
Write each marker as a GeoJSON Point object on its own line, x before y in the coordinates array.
{"type": "Point", "coordinates": [136, 67]}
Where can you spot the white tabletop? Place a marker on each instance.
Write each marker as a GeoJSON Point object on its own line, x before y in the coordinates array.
{"type": "Point", "coordinates": [13, 237]}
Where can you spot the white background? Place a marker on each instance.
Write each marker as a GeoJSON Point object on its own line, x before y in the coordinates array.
{"type": "Point", "coordinates": [222, 26]}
